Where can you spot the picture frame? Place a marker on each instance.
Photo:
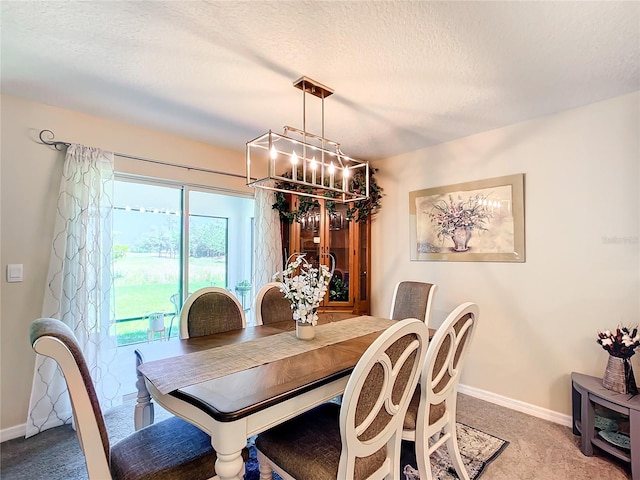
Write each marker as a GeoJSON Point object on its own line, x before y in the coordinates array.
{"type": "Point", "coordinates": [478, 221]}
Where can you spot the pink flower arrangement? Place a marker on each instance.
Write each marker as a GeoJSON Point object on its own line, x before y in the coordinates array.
{"type": "Point", "coordinates": [621, 342]}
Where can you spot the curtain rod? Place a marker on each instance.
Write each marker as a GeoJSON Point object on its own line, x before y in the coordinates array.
{"type": "Point", "coordinates": [58, 145]}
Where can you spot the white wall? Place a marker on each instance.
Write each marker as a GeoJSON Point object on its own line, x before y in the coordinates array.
{"type": "Point", "coordinates": [30, 183]}
{"type": "Point", "coordinates": [538, 319]}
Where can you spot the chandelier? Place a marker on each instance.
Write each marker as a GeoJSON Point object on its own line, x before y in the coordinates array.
{"type": "Point", "coordinates": [308, 164]}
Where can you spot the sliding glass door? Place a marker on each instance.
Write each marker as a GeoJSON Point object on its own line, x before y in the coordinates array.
{"type": "Point", "coordinates": [169, 241]}
{"type": "Point", "coordinates": [220, 251]}
{"type": "Point", "coordinates": [147, 256]}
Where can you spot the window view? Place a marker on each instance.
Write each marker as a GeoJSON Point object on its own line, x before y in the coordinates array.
{"type": "Point", "coordinates": [150, 275]}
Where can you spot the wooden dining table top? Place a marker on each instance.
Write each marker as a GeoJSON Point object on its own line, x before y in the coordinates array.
{"type": "Point", "coordinates": [231, 397]}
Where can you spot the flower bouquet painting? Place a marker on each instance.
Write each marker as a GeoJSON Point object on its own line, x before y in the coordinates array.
{"type": "Point", "coordinates": [457, 219]}
{"type": "Point", "coordinates": [304, 285]}
{"type": "Point", "coordinates": [621, 344]}
{"type": "Point", "coordinates": [474, 221]}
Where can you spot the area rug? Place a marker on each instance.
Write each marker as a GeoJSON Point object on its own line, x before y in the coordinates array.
{"type": "Point", "coordinates": [477, 450]}
{"type": "Point", "coordinates": [55, 454]}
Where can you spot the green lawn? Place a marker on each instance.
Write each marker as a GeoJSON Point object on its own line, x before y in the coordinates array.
{"type": "Point", "coordinates": [144, 283]}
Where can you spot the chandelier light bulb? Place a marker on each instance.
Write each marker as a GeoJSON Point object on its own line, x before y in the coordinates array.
{"type": "Point", "coordinates": [273, 153]}
{"type": "Point", "coordinates": [314, 166]}
{"type": "Point", "coordinates": [345, 172]}
{"type": "Point", "coordinates": [331, 169]}
{"type": "Point", "coordinates": [294, 158]}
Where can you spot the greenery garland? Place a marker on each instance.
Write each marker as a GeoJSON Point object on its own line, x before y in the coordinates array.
{"type": "Point", "coordinates": [359, 211]}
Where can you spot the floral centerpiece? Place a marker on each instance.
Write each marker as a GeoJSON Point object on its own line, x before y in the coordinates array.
{"type": "Point", "coordinates": [457, 219]}
{"type": "Point", "coordinates": [304, 285]}
{"type": "Point", "coordinates": [621, 345]}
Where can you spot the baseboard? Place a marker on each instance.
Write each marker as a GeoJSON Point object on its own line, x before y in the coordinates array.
{"type": "Point", "coordinates": [517, 405]}
{"type": "Point", "coordinates": [13, 432]}
{"type": "Point", "coordinates": [21, 430]}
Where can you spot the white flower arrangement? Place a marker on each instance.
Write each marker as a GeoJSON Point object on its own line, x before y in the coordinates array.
{"type": "Point", "coordinates": [304, 286]}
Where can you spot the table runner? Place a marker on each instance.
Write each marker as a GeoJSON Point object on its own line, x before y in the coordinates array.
{"type": "Point", "coordinates": [170, 374]}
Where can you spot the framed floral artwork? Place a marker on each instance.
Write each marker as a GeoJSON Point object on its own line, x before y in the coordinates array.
{"type": "Point", "coordinates": [480, 221]}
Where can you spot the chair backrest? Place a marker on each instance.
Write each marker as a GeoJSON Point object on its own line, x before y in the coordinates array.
{"type": "Point", "coordinates": [412, 300]}
{"type": "Point", "coordinates": [377, 397]}
{"type": "Point", "coordinates": [444, 361]}
{"type": "Point", "coordinates": [53, 338]}
{"type": "Point", "coordinates": [210, 310]}
{"type": "Point", "coordinates": [272, 306]}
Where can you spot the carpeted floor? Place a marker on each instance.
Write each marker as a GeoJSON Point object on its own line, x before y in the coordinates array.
{"type": "Point", "coordinates": [55, 454]}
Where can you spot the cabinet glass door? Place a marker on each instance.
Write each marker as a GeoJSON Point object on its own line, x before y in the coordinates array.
{"type": "Point", "coordinates": [310, 233]}
{"type": "Point", "coordinates": [339, 253]}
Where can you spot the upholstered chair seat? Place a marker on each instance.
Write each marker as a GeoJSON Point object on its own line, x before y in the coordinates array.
{"type": "Point", "coordinates": [435, 412]}
{"type": "Point", "coordinates": [169, 449]}
{"type": "Point", "coordinates": [318, 457]}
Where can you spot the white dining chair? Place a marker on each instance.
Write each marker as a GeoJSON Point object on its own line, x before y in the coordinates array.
{"type": "Point", "coordinates": [167, 450]}
{"type": "Point", "coordinates": [432, 410]}
{"type": "Point", "coordinates": [361, 438]}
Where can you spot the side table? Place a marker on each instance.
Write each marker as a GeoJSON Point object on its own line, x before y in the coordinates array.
{"type": "Point", "coordinates": [586, 392]}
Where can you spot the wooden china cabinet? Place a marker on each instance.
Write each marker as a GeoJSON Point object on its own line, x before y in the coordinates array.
{"type": "Point", "coordinates": [326, 236]}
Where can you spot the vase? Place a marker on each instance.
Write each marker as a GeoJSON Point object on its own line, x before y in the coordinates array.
{"type": "Point", "coordinates": [460, 237]}
{"type": "Point", "coordinates": [618, 376]}
{"type": "Point", "coordinates": [305, 331]}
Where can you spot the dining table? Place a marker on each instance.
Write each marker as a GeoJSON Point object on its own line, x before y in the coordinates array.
{"type": "Point", "coordinates": [236, 384]}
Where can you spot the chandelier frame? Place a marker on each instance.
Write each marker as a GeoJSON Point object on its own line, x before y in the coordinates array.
{"type": "Point", "coordinates": [311, 165]}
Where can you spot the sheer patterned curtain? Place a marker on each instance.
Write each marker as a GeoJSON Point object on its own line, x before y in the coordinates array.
{"type": "Point", "coordinates": [79, 286]}
{"type": "Point", "coordinates": [268, 242]}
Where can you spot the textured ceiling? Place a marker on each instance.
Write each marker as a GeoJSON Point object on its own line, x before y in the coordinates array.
{"type": "Point", "coordinates": [406, 74]}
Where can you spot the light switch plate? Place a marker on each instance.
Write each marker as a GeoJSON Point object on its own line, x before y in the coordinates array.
{"type": "Point", "coordinates": [14, 272]}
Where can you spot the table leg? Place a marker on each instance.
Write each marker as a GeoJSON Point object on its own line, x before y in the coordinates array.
{"type": "Point", "coordinates": [228, 439]}
{"type": "Point", "coordinates": [143, 413]}
{"type": "Point", "coordinates": [230, 466]}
